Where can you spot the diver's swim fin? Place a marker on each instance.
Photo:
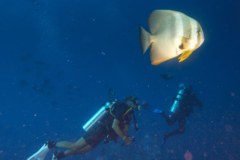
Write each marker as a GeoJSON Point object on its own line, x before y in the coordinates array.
{"type": "Point", "coordinates": [40, 154]}
{"type": "Point", "coordinates": [165, 137]}
{"type": "Point", "coordinates": [163, 142]}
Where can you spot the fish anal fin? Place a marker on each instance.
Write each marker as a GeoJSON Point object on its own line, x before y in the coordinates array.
{"type": "Point", "coordinates": [159, 54]}
{"type": "Point", "coordinates": [160, 61]}
{"type": "Point", "coordinates": [185, 55]}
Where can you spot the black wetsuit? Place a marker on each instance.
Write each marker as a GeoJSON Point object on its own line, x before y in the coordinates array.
{"type": "Point", "coordinates": [185, 109]}
{"type": "Point", "coordinates": [97, 134]}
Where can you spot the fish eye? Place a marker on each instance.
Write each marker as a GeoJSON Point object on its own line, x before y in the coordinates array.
{"type": "Point", "coordinates": [199, 33]}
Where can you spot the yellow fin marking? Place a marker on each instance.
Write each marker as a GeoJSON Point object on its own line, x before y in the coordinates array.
{"type": "Point", "coordinates": [185, 55]}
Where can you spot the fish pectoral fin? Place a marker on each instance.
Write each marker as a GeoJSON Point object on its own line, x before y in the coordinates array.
{"type": "Point", "coordinates": [185, 55]}
{"type": "Point", "coordinates": [185, 43]}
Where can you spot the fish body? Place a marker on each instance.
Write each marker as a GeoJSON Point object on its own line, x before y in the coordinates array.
{"type": "Point", "coordinates": [167, 76]}
{"type": "Point", "coordinates": [172, 34]}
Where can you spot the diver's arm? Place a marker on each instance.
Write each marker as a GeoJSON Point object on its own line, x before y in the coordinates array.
{"type": "Point", "coordinates": [151, 109]}
{"type": "Point", "coordinates": [117, 129]}
{"type": "Point", "coordinates": [199, 104]}
{"type": "Point", "coordinates": [125, 130]}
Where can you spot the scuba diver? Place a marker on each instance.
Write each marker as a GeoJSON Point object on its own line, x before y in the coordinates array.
{"type": "Point", "coordinates": [182, 107]}
{"type": "Point", "coordinates": [109, 123]}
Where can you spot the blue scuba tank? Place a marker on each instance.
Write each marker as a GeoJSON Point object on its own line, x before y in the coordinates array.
{"type": "Point", "coordinates": [177, 101]}
{"type": "Point", "coordinates": [99, 116]}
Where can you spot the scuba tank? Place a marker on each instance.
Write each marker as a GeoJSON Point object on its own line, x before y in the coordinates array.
{"type": "Point", "coordinates": [178, 99]}
{"type": "Point", "coordinates": [99, 117]}
{"type": "Point", "coordinates": [104, 116]}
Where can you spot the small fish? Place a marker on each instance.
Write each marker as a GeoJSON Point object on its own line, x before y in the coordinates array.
{"type": "Point", "coordinates": [69, 93]}
{"type": "Point", "coordinates": [51, 87]}
{"type": "Point", "coordinates": [172, 34]}
{"type": "Point", "coordinates": [36, 3]}
{"type": "Point", "coordinates": [23, 83]}
{"type": "Point", "coordinates": [54, 103]}
{"type": "Point", "coordinates": [48, 93]}
{"type": "Point", "coordinates": [45, 82]}
{"type": "Point", "coordinates": [111, 92]}
{"type": "Point", "coordinates": [78, 88]}
{"type": "Point", "coordinates": [167, 76]}
{"type": "Point", "coordinates": [71, 99]}
{"type": "Point", "coordinates": [35, 88]}
{"type": "Point", "coordinates": [26, 70]}
{"type": "Point", "coordinates": [39, 73]}
{"type": "Point", "coordinates": [25, 57]}
{"type": "Point", "coordinates": [60, 74]}
{"type": "Point", "coordinates": [41, 65]}
{"type": "Point", "coordinates": [70, 86]}
{"type": "Point", "coordinates": [38, 89]}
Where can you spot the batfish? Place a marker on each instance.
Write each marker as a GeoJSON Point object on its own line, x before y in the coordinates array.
{"type": "Point", "coordinates": [172, 33]}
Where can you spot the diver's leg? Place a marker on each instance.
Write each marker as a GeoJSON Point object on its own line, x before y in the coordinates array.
{"type": "Point", "coordinates": [81, 143]}
{"type": "Point", "coordinates": [181, 123]}
{"type": "Point", "coordinates": [169, 119]}
{"type": "Point", "coordinates": [73, 148]}
{"type": "Point", "coordinates": [60, 155]}
{"type": "Point", "coordinates": [82, 151]}
{"type": "Point", "coordinates": [64, 144]}
{"type": "Point", "coordinates": [181, 130]}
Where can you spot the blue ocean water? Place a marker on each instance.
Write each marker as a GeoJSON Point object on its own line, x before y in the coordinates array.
{"type": "Point", "coordinates": [59, 58]}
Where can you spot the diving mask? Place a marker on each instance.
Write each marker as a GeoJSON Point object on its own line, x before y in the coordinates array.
{"type": "Point", "coordinates": [136, 105]}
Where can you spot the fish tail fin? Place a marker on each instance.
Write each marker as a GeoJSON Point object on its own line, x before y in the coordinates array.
{"type": "Point", "coordinates": [145, 39]}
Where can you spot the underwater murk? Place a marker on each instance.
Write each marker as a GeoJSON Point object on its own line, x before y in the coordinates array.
{"type": "Point", "coordinates": [62, 61]}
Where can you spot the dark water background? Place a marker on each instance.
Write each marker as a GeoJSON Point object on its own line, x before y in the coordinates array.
{"type": "Point", "coordinates": [59, 58]}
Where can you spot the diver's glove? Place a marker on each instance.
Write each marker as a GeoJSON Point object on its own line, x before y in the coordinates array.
{"type": "Point", "coordinates": [131, 139]}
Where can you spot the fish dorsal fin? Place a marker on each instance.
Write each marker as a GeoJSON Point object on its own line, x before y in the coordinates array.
{"type": "Point", "coordinates": [185, 55]}
{"type": "Point", "coordinates": [157, 18]}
